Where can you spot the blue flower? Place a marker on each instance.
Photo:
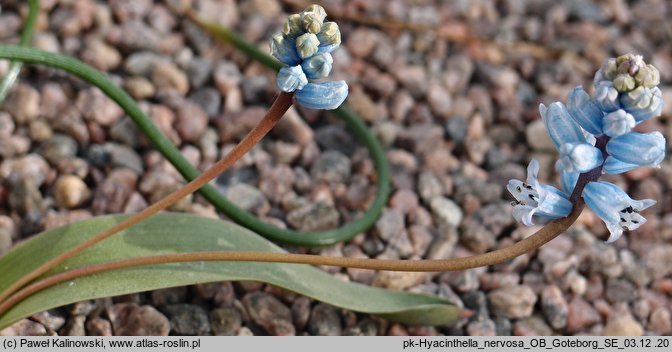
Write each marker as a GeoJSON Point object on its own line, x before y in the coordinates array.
{"type": "Point", "coordinates": [291, 79]}
{"type": "Point", "coordinates": [585, 111]}
{"type": "Point", "coordinates": [643, 103]}
{"type": "Point", "coordinates": [614, 166]}
{"type": "Point", "coordinates": [643, 149]}
{"type": "Point", "coordinates": [283, 48]}
{"type": "Point", "coordinates": [606, 96]}
{"type": "Point", "coordinates": [324, 95]}
{"type": "Point", "coordinates": [560, 125]}
{"type": "Point", "coordinates": [618, 211]}
{"type": "Point", "coordinates": [318, 66]}
{"type": "Point", "coordinates": [533, 198]}
{"type": "Point", "coordinates": [581, 157]}
{"type": "Point", "coordinates": [304, 45]}
{"type": "Point", "coordinates": [618, 123]}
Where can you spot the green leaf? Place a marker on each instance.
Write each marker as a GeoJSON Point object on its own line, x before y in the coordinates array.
{"type": "Point", "coordinates": [177, 233]}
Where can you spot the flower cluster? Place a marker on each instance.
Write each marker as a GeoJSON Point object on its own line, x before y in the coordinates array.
{"type": "Point", "coordinates": [626, 94]}
{"type": "Point", "coordinates": [305, 45]}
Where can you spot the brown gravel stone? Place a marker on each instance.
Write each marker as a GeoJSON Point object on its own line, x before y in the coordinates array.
{"type": "Point", "coordinates": [269, 313]}
{"type": "Point", "coordinates": [98, 327]}
{"type": "Point", "coordinates": [129, 319]}
{"type": "Point", "coordinates": [514, 301]}
{"type": "Point", "coordinates": [623, 325]}
{"type": "Point", "coordinates": [554, 306]}
{"type": "Point", "coordinates": [70, 192]}
{"type": "Point", "coordinates": [581, 315]}
{"type": "Point", "coordinates": [23, 103]}
{"type": "Point", "coordinates": [168, 76]}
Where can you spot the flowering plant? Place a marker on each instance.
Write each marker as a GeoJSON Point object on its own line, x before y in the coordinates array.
{"type": "Point", "coordinates": [594, 135]}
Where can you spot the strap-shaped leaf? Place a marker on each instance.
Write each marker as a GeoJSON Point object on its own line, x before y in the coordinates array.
{"type": "Point", "coordinates": [177, 233]}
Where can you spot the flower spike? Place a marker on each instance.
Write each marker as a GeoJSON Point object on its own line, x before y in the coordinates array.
{"type": "Point", "coordinates": [304, 45]}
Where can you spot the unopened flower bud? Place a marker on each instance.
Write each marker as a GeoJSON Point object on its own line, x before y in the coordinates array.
{"type": "Point", "coordinates": [293, 27]}
{"type": "Point", "coordinates": [311, 23]}
{"type": "Point", "coordinates": [648, 76]}
{"type": "Point", "coordinates": [316, 10]}
{"type": "Point", "coordinates": [306, 45]}
{"type": "Point", "coordinates": [624, 82]}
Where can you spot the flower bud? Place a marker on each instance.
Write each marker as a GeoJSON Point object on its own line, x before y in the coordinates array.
{"type": "Point", "coordinates": [306, 45]}
{"type": "Point", "coordinates": [284, 49]}
{"type": "Point", "coordinates": [293, 27]}
{"type": "Point", "coordinates": [317, 66]}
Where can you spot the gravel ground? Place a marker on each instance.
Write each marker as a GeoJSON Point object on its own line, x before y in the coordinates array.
{"type": "Point", "coordinates": [451, 89]}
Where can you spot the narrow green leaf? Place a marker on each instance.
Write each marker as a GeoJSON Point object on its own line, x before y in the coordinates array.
{"type": "Point", "coordinates": [176, 233]}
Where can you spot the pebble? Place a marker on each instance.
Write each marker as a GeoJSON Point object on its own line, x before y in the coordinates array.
{"type": "Point", "coordinates": [620, 291]}
{"type": "Point", "coordinates": [485, 327]}
{"type": "Point", "coordinates": [365, 106]}
{"type": "Point", "coordinates": [513, 301]}
{"type": "Point", "coordinates": [70, 192]}
{"type": "Point", "coordinates": [623, 325]}
{"type": "Point", "coordinates": [532, 326]}
{"type": "Point", "coordinates": [429, 187]}
{"type": "Point", "coordinates": [7, 124]}
{"type": "Point", "coordinates": [166, 75]}
{"type": "Point", "coordinates": [24, 327]}
{"type": "Point", "coordinates": [75, 326]}
{"type": "Point", "coordinates": [100, 55]}
{"type": "Point", "coordinates": [331, 166]}
{"type": "Point", "coordinates": [227, 76]}
{"type": "Point", "coordinates": [98, 327]}
{"type": "Point", "coordinates": [294, 127]}
{"type": "Point", "coordinates": [187, 319]}
{"type": "Point", "coordinates": [248, 198]}
{"type": "Point", "coordinates": [129, 319]}
{"type": "Point", "coordinates": [168, 296]}
{"type": "Point", "coordinates": [333, 137]}
{"type": "Point", "coordinates": [269, 313]}
{"type": "Point", "coordinates": [660, 321]}
{"type": "Point", "coordinates": [581, 315]}
{"type": "Point", "coordinates": [139, 87]}
{"type": "Point", "coordinates": [413, 78]}
{"type": "Point", "coordinates": [57, 148]}
{"type": "Point", "coordinates": [659, 261]}
{"type": "Point", "coordinates": [125, 131]}
{"type": "Point", "coordinates": [94, 105]}
{"type": "Point", "coordinates": [134, 35]}
{"type": "Point", "coordinates": [301, 312]}
{"type": "Point", "coordinates": [118, 155]}
{"type": "Point", "coordinates": [225, 321]}
{"type": "Point", "coordinates": [456, 128]}
{"type": "Point", "coordinates": [366, 327]}
{"type": "Point", "coordinates": [398, 280]}
{"type": "Point", "coordinates": [390, 224]}
{"type": "Point", "coordinates": [23, 103]}
{"type": "Point", "coordinates": [554, 306]}
{"type": "Point", "coordinates": [324, 321]}
{"type": "Point", "coordinates": [208, 99]}
{"type": "Point", "coordinates": [439, 101]}
{"type": "Point", "coordinates": [112, 194]}
{"type": "Point", "coordinates": [26, 200]}
{"type": "Point", "coordinates": [537, 136]}
{"type": "Point", "coordinates": [446, 212]}
{"type": "Point", "coordinates": [140, 63]}
{"type": "Point", "coordinates": [314, 217]}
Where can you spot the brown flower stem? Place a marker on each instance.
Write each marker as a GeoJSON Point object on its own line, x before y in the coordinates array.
{"type": "Point", "coordinates": [533, 242]}
{"type": "Point", "coordinates": [281, 104]}
{"type": "Point", "coordinates": [547, 233]}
